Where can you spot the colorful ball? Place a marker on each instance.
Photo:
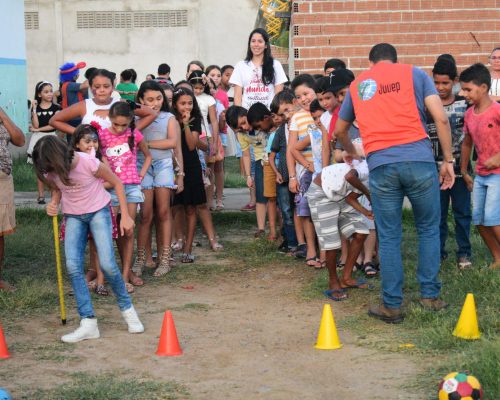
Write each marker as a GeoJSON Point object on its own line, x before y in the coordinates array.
{"type": "Point", "coordinates": [460, 386]}
{"type": "Point", "coordinates": [4, 394]}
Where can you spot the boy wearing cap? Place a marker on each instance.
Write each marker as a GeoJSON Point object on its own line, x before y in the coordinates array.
{"type": "Point", "coordinates": [72, 92]}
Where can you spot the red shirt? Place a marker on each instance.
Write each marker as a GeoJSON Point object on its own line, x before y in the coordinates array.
{"type": "Point", "coordinates": [484, 130]}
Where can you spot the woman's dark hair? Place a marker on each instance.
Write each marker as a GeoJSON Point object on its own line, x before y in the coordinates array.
{"type": "Point", "coordinates": [123, 109]}
{"type": "Point", "coordinates": [195, 113]}
{"type": "Point", "coordinates": [196, 62]}
{"type": "Point", "coordinates": [126, 75]}
{"type": "Point", "coordinates": [79, 134]}
{"type": "Point", "coordinates": [52, 155]}
{"type": "Point", "coordinates": [38, 89]}
{"type": "Point", "coordinates": [103, 72]}
{"type": "Point", "coordinates": [268, 62]}
{"type": "Point", "coordinates": [199, 77]}
{"type": "Point", "coordinates": [154, 86]}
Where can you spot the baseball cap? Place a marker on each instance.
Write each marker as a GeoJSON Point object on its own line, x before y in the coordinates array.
{"type": "Point", "coordinates": [340, 78]}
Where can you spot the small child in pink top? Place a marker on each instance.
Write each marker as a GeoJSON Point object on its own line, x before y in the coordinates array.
{"type": "Point", "coordinates": [482, 128]}
{"type": "Point", "coordinates": [119, 145]}
{"type": "Point", "coordinates": [75, 182]}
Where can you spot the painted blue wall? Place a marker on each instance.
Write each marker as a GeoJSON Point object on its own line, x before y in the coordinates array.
{"type": "Point", "coordinates": [13, 62]}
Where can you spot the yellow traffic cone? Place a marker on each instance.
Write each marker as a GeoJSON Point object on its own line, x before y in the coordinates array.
{"type": "Point", "coordinates": [467, 327]}
{"type": "Point", "coordinates": [328, 338]}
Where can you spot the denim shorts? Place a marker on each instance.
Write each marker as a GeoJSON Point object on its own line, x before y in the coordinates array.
{"type": "Point", "coordinates": [259, 182]}
{"type": "Point", "coordinates": [485, 200]}
{"type": "Point", "coordinates": [159, 175]}
{"type": "Point", "coordinates": [133, 193]}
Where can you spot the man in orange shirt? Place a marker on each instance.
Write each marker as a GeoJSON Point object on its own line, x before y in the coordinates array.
{"type": "Point", "coordinates": [389, 102]}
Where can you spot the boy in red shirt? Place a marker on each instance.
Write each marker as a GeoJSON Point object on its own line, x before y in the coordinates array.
{"type": "Point", "coordinates": [482, 128]}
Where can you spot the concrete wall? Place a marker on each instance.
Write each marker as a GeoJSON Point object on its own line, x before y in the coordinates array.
{"type": "Point", "coordinates": [216, 33]}
{"type": "Point", "coordinates": [13, 62]}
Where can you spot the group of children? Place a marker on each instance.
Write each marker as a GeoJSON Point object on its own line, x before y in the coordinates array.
{"type": "Point", "coordinates": [164, 151]}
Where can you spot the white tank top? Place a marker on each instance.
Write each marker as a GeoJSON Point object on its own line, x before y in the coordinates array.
{"type": "Point", "coordinates": [90, 115]}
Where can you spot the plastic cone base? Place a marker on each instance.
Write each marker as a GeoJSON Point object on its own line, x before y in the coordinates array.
{"type": "Point", "coordinates": [328, 338]}
{"type": "Point", "coordinates": [168, 344]}
{"type": "Point", "coordinates": [4, 352]}
{"type": "Point", "coordinates": [467, 326]}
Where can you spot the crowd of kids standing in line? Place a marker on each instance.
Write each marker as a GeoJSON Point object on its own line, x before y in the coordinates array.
{"type": "Point", "coordinates": [163, 147]}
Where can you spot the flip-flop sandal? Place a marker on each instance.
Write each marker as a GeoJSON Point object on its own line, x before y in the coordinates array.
{"type": "Point", "coordinates": [135, 280]}
{"type": "Point", "coordinates": [187, 258]}
{"type": "Point", "coordinates": [313, 262]}
{"type": "Point", "coordinates": [341, 294]}
{"type": "Point", "coordinates": [369, 270]}
{"type": "Point", "coordinates": [340, 265]}
{"type": "Point", "coordinates": [323, 264]}
{"type": "Point", "coordinates": [360, 284]}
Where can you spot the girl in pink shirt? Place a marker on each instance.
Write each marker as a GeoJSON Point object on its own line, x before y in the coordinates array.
{"type": "Point", "coordinates": [120, 143]}
{"type": "Point", "coordinates": [75, 182]}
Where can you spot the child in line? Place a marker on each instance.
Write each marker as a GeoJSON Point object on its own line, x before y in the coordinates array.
{"type": "Point", "coordinates": [120, 144]}
{"type": "Point", "coordinates": [328, 102]}
{"type": "Point", "coordinates": [261, 120]}
{"type": "Point", "coordinates": [193, 197]}
{"type": "Point", "coordinates": [161, 138]}
{"type": "Point", "coordinates": [127, 88]}
{"type": "Point", "coordinates": [445, 76]}
{"type": "Point", "coordinates": [42, 110]}
{"type": "Point", "coordinates": [482, 128]}
{"type": "Point", "coordinates": [335, 210]}
{"type": "Point", "coordinates": [75, 182]}
{"type": "Point", "coordinates": [251, 139]}
{"type": "Point", "coordinates": [301, 163]}
{"type": "Point", "coordinates": [283, 106]}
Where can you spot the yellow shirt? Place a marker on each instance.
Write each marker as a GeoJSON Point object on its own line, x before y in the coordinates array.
{"type": "Point", "coordinates": [257, 141]}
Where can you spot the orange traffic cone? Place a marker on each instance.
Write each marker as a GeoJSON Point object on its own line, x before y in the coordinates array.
{"type": "Point", "coordinates": [168, 344]}
{"type": "Point", "coordinates": [4, 352]}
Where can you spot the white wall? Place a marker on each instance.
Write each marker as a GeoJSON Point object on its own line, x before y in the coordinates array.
{"type": "Point", "coordinates": [217, 33]}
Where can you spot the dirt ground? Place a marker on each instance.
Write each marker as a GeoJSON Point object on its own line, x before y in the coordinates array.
{"type": "Point", "coordinates": [245, 335]}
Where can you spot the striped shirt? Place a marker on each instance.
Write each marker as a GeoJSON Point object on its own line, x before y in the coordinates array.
{"type": "Point", "coordinates": [302, 122]}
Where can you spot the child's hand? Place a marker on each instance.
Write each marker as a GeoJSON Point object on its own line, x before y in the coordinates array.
{"type": "Point", "coordinates": [368, 214]}
{"type": "Point", "coordinates": [469, 182]}
{"type": "Point", "coordinates": [279, 178]}
{"type": "Point", "coordinates": [52, 209]}
{"type": "Point", "coordinates": [293, 185]}
{"type": "Point", "coordinates": [185, 117]}
{"type": "Point", "coordinates": [249, 181]}
{"type": "Point", "coordinates": [34, 103]}
{"type": "Point", "coordinates": [126, 225]}
{"type": "Point", "coordinates": [310, 167]}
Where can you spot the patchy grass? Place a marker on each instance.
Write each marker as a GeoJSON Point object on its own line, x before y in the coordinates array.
{"type": "Point", "coordinates": [111, 386]}
{"type": "Point", "coordinates": [431, 332]}
{"type": "Point", "coordinates": [232, 176]}
{"type": "Point", "coordinates": [24, 175]}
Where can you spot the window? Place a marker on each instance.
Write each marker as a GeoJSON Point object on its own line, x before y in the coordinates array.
{"type": "Point", "coordinates": [131, 19]}
{"type": "Point", "coordinates": [31, 20]}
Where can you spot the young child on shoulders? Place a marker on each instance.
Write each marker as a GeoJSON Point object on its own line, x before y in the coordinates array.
{"type": "Point", "coordinates": [445, 76]}
{"type": "Point", "coordinates": [482, 128]}
{"type": "Point", "coordinates": [283, 106]}
{"type": "Point", "coordinates": [75, 182]}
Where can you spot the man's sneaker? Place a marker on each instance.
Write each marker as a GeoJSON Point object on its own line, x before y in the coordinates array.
{"type": "Point", "coordinates": [464, 263]}
{"type": "Point", "coordinates": [389, 315]}
{"type": "Point", "coordinates": [87, 330]}
{"type": "Point", "coordinates": [132, 319]}
{"type": "Point", "coordinates": [433, 304]}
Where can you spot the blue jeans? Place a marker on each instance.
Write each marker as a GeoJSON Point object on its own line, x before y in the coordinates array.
{"type": "Point", "coordinates": [77, 229]}
{"type": "Point", "coordinates": [461, 206]}
{"type": "Point", "coordinates": [389, 184]}
{"type": "Point", "coordinates": [285, 202]}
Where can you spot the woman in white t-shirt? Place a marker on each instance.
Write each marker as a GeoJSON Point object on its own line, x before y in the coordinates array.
{"type": "Point", "coordinates": [259, 77]}
{"type": "Point", "coordinates": [495, 74]}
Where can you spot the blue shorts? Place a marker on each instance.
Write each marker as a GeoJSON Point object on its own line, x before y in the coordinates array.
{"type": "Point", "coordinates": [259, 182]}
{"type": "Point", "coordinates": [301, 203]}
{"type": "Point", "coordinates": [486, 200]}
{"type": "Point", "coordinates": [159, 175]}
{"type": "Point", "coordinates": [133, 193]}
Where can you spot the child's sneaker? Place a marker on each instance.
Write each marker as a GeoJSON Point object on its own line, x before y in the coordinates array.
{"type": "Point", "coordinates": [464, 263]}
{"type": "Point", "coordinates": [132, 319]}
{"type": "Point", "coordinates": [87, 330]}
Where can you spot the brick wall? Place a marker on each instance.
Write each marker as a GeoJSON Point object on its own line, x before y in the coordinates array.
{"type": "Point", "coordinates": [419, 29]}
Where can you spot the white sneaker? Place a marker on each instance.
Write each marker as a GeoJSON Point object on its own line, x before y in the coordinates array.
{"type": "Point", "coordinates": [132, 319]}
{"type": "Point", "coordinates": [87, 330]}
